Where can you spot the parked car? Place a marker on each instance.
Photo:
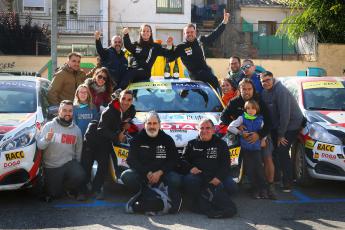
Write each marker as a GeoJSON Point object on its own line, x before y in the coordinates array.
{"type": "Point", "coordinates": [23, 110]}
{"type": "Point", "coordinates": [319, 152]}
{"type": "Point", "coordinates": [181, 104]}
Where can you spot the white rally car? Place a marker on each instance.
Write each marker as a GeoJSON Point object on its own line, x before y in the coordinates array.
{"type": "Point", "coordinates": [23, 110]}
{"type": "Point", "coordinates": [181, 104]}
{"type": "Point", "coordinates": [320, 150]}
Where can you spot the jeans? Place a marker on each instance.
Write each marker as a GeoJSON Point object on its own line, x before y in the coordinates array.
{"type": "Point", "coordinates": [70, 176]}
{"type": "Point", "coordinates": [281, 153]}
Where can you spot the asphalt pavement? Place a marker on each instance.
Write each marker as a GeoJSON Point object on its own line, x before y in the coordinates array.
{"type": "Point", "coordinates": [318, 207]}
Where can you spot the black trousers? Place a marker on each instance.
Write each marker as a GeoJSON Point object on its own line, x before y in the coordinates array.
{"type": "Point", "coordinates": [134, 75]}
{"type": "Point", "coordinates": [254, 168]}
{"type": "Point", "coordinates": [208, 77]}
{"type": "Point", "coordinates": [101, 156]}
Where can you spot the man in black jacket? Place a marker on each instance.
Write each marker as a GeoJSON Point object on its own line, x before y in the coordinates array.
{"type": "Point", "coordinates": [207, 160]}
{"type": "Point", "coordinates": [113, 58]}
{"type": "Point", "coordinates": [192, 53]}
{"type": "Point", "coordinates": [235, 108]}
{"type": "Point", "coordinates": [111, 129]}
{"type": "Point", "coordinates": [152, 157]}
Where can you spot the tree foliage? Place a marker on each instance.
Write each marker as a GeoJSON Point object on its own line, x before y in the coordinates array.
{"type": "Point", "coordinates": [325, 18]}
{"type": "Point", "coordinates": [22, 39]}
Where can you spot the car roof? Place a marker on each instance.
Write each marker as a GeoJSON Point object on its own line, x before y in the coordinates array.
{"type": "Point", "coordinates": [9, 77]}
{"type": "Point", "coordinates": [311, 79]}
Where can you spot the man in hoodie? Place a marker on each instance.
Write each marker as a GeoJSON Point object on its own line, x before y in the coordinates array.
{"type": "Point", "coordinates": [287, 120]}
{"type": "Point", "coordinates": [113, 57]}
{"type": "Point", "coordinates": [111, 129]}
{"type": "Point", "coordinates": [192, 53]}
{"type": "Point", "coordinates": [152, 157]}
{"type": "Point", "coordinates": [61, 142]}
{"type": "Point", "coordinates": [66, 80]}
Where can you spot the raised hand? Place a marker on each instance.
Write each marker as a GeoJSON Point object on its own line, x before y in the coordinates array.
{"type": "Point", "coordinates": [226, 17]}
{"type": "Point", "coordinates": [125, 30]}
{"type": "Point", "coordinates": [50, 134]}
{"type": "Point", "coordinates": [97, 35]}
{"type": "Point", "coordinates": [170, 41]}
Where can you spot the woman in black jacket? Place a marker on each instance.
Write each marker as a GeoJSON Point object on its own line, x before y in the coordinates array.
{"type": "Point", "coordinates": [144, 53]}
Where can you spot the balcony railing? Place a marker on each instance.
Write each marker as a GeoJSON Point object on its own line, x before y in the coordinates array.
{"type": "Point", "coordinates": [68, 23]}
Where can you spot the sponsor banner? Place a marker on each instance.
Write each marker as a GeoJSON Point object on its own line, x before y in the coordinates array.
{"type": "Point", "coordinates": [322, 84]}
{"type": "Point", "coordinates": [187, 86]}
{"type": "Point", "coordinates": [150, 85]}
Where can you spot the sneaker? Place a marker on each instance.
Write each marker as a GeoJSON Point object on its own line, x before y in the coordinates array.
{"type": "Point", "coordinates": [81, 197]}
{"type": "Point", "coordinates": [272, 192]}
{"type": "Point", "coordinates": [99, 195]}
{"type": "Point", "coordinates": [287, 187]}
{"type": "Point", "coordinates": [263, 194]}
{"type": "Point", "coordinates": [256, 195]}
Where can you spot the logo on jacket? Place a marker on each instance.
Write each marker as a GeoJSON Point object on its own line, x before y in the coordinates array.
{"type": "Point", "coordinates": [211, 153]}
{"type": "Point", "coordinates": [188, 51]}
{"type": "Point", "coordinates": [161, 152]}
{"type": "Point", "coordinates": [138, 49]}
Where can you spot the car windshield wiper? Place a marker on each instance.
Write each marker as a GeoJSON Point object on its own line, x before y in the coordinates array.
{"type": "Point", "coordinates": [323, 108]}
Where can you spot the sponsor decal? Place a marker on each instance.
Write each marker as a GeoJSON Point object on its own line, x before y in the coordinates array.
{"type": "Point", "coordinates": [178, 137]}
{"type": "Point", "coordinates": [309, 144]}
{"type": "Point", "coordinates": [64, 138]}
{"type": "Point", "coordinates": [316, 155]}
{"type": "Point", "coordinates": [150, 85]}
{"type": "Point", "coordinates": [323, 84]}
{"type": "Point", "coordinates": [211, 153]}
{"type": "Point", "coordinates": [188, 51]}
{"type": "Point", "coordinates": [177, 126]}
{"type": "Point", "coordinates": [17, 84]}
{"type": "Point", "coordinates": [121, 152]}
{"type": "Point", "coordinates": [11, 164]}
{"type": "Point", "coordinates": [328, 156]}
{"type": "Point", "coordinates": [340, 156]}
{"type": "Point", "coordinates": [325, 147]}
{"type": "Point", "coordinates": [187, 86]}
{"type": "Point", "coordinates": [161, 152]}
{"type": "Point", "coordinates": [195, 117]}
{"type": "Point", "coordinates": [234, 153]}
{"type": "Point", "coordinates": [14, 155]}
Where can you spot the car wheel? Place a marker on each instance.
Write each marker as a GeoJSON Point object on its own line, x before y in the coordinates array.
{"type": "Point", "coordinates": [300, 166]}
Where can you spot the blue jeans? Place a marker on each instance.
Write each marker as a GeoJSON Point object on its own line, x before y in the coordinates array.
{"type": "Point", "coordinates": [192, 185]}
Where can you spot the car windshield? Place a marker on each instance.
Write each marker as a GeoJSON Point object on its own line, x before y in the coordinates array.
{"type": "Point", "coordinates": [329, 96]}
{"type": "Point", "coordinates": [17, 97]}
{"type": "Point", "coordinates": [175, 97]}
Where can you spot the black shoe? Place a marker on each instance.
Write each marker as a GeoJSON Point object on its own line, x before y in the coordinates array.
{"type": "Point", "coordinates": [272, 192]}
{"type": "Point", "coordinates": [287, 187]}
{"type": "Point", "coordinates": [81, 197]}
{"type": "Point", "coordinates": [263, 194]}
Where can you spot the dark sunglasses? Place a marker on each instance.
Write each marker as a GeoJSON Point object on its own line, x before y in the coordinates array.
{"type": "Point", "coordinates": [102, 77]}
{"type": "Point", "coordinates": [246, 66]}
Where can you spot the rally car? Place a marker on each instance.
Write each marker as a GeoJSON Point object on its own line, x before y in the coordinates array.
{"type": "Point", "coordinates": [23, 110]}
{"type": "Point", "coordinates": [319, 152]}
{"type": "Point", "coordinates": [181, 104]}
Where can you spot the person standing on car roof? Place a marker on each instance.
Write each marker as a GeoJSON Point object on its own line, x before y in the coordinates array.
{"type": "Point", "coordinates": [144, 53]}
{"type": "Point", "coordinates": [235, 108]}
{"type": "Point", "coordinates": [192, 53]}
{"type": "Point", "coordinates": [61, 142]}
{"type": "Point", "coordinates": [66, 80]}
{"type": "Point", "coordinates": [112, 57]}
{"type": "Point", "coordinates": [287, 121]}
{"type": "Point", "coordinates": [207, 161]}
{"type": "Point", "coordinates": [111, 128]}
{"type": "Point", "coordinates": [152, 157]}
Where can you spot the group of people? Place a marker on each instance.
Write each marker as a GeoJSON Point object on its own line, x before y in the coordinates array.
{"type": "Point", "coordinates": [91, 118]}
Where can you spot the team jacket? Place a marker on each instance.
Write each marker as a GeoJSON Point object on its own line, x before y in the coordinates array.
{"type": "Point", "coordinates": [115, 62]}
{"type": "Point", "coordinates": [151, 154]}
{"type": "Point", "coordinates": [211, 157]}
{"type": "Point", "coordinates": [192, 53]}
{"type": "Point", "coordinates": [145, 55]}
{"type": "Point", "coordinates": [235, 108]}
{"type": "Point", "coordinates": [110, 124]}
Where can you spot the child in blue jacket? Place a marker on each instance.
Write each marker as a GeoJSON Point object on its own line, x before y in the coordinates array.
{"type": "Point", "coordinates": [251, 121]}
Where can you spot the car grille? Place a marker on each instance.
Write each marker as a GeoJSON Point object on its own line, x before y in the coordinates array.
{"type": "Point", "coordinates": [17, 177]}
{"type": "Point", "coordinates": [329, 169]}
{"type": "Point", "coordinates": [339, 134]}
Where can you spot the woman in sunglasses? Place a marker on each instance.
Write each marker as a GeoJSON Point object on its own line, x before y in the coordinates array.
{"type": "Point", "coordinates": [101, 88]}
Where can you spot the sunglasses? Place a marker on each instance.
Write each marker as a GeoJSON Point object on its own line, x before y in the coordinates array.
{"type": "Point", "coordinates": [246, 66]}
{"type": "Point", "coordinates": [104, 78]}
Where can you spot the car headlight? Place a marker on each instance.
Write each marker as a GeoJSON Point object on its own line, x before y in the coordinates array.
{"type": "Point", "coordinates": [20, 139]}
{"type": "Point", "coordinates": [317, 132]}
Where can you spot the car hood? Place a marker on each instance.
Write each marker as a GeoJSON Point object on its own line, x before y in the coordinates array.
{"type": "Point", "coordinates": [328, 119]}
{"type": "Point", "coordinates": [182, 127]}
{"type": "Point", "coordinates": [10, 121]}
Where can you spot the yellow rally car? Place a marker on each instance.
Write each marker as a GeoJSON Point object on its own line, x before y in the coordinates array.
{"type": "Point", "coordinates": [181, 105]}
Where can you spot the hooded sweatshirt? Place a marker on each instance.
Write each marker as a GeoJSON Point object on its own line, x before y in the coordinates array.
{"type": "Point", "coordinates": [65, 146]}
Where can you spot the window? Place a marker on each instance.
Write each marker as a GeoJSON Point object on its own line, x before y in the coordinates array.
{"type": "Point", "coordinates": [33, 5]}
{"type": "Point", "coordinates": [170, 6]}
{"type": "Point", "coordinates": [267, 28]}
{"type": "Point", "coordinates": [84, 49]}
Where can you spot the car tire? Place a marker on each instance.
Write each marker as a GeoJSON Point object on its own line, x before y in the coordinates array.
{"type": "Point", "coordinates": [300, 170]}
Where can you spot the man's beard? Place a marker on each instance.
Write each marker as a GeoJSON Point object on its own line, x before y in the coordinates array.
{"type": "Point", "coordinates": [62, 121]}
{"type": "Point", "coordinates": [152, 133]}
